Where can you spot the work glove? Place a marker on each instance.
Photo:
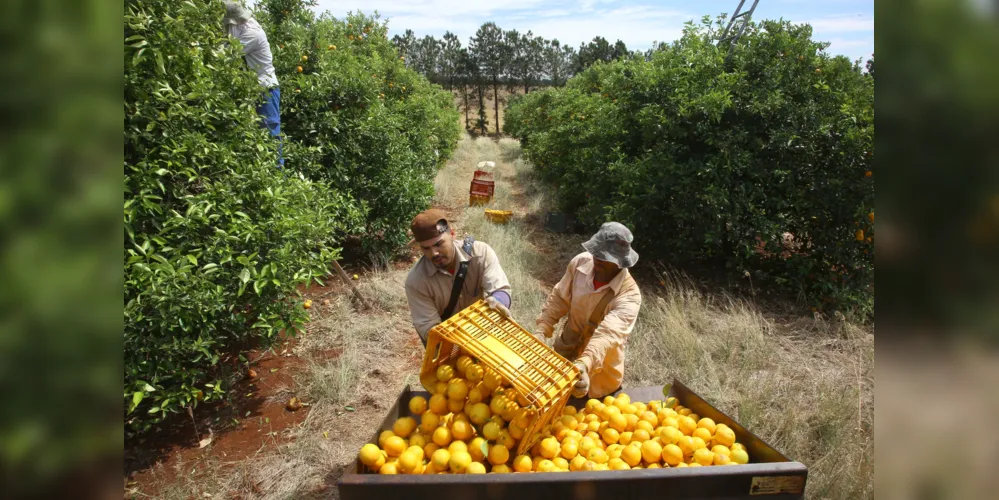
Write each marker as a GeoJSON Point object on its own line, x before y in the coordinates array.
{"type": "Point", "coordinates": [582, 386]}
{"type": "Point", "coordinates": [497, 306]}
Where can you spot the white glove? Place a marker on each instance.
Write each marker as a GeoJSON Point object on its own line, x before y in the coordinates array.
{"type": "Point", "coordinates": [497, 306]}
{"type": "Point", "coordinates": [582, 386]}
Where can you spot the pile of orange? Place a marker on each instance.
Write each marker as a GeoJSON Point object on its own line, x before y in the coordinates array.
{"type": "Point", "coordinates": [474, 421]}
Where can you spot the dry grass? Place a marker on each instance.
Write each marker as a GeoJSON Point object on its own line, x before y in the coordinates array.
{"type": "Point", "coordinates": [804, 386]}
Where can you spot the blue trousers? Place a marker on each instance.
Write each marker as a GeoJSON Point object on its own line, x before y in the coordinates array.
{"type": "Point", "coordinates": [270, 115]}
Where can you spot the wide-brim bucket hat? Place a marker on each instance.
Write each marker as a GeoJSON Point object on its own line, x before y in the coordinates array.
{"type": "Point", "coordinates": [235, 14]}
{"type": "Point", "coordinates": [612, 243]}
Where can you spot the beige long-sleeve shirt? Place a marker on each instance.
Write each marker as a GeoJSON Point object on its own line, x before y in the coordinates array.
{"type": "Point", "coordinates": [428, 288]}
{"type": "Point", "coordinates": [603, 355]}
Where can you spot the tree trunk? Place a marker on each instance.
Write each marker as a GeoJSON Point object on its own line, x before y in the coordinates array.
{"type": "Point", "coordinates": [496, 103]}
{"type": "Point", "coordinates": [464, 99]}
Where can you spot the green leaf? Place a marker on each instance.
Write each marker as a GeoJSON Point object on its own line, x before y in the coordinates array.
{"type": "Point", "coordinates": [244, 275]}
{"type": "Point", "coordinates": [192, 259]}
{"type": "Point", "coordinates": [149, 388]}
{"type": "Point", "coordinates": [135, 61]}
{"type": "Point", "coordinates": [136, 399]}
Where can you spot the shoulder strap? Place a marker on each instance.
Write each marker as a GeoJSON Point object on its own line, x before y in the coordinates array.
{"type": "Point", "coordinates": [598, 312]}
{"type": "Point", "coordinates": [459, 279]}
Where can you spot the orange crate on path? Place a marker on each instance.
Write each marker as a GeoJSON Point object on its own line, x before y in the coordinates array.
{"type": "Point", "coordinates": [541, 377]}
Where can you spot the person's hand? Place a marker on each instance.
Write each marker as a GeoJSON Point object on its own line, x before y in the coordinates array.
{"type": "Point", "coordinates": [497, 306]}
{"type": "Point", "coordinates": [583, 384]}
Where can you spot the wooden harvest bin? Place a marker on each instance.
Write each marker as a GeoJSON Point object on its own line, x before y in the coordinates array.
{"type": "Point", "coordinates": [769, 475]}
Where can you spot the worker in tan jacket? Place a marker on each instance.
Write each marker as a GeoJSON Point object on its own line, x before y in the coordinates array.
{"type": "Point", "coordinates": [602, 301]}
{"type": "Point", "coordinates": [451, 275]}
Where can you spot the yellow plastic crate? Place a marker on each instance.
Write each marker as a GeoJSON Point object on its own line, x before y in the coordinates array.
{"type": "Point", "coordinates": [498, 216]}
{"type": "Point", "coordinates": [475, 199]}
{"type": "Point", "coordinates": [541, 377]}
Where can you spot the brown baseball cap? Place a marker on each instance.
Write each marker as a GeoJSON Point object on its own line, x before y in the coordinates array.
{"type": "Point", "coordinates": [426, 224]}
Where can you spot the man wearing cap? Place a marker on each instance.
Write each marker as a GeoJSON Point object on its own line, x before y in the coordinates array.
{"type": "Point", "coordinates": [451, 275]}
{"type": "Point", "coordinates": [602, 301]}
{"type": "Point", "coordinates": [257, 54]}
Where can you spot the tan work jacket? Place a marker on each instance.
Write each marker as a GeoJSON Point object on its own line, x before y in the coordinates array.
{"type": "Point", "coordinates": [603, 354]}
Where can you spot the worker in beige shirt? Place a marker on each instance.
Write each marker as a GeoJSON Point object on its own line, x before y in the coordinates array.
{"type": "Point", "coordinates": [430, 285]}
{"type": "Point", "coordinates": [602, 301]}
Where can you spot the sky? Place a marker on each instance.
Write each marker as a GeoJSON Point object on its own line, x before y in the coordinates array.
{"type": "Point", "coordinates": [847, 24]}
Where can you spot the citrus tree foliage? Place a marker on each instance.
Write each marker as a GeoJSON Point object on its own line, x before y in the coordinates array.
{"type": "Point", "coordinates": [218, 238]}
{"type": "Point", "coordinates": [763, 165]}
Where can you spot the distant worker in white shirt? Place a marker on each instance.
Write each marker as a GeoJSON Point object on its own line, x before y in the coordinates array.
{"type": "Point", "coordinates": [602, 301]}
{"type": "Point", "coordinates": [257, 54]}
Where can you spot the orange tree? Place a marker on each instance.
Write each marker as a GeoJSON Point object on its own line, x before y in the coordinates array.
{"type": "Point", "coordinates": [357, 118]}
{"type": "Point", "coordinates": [763, 165]}
{"type": "Point", "coordinates": [217, 239]}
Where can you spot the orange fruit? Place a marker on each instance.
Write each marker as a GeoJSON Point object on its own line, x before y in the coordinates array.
{"type": "Point", "coordinates": [474, 372]}
{"type": "Point", "coordinates": [369, 454]}
{"type": "Point", "coordinates": [500, 469]}
{"type": "Point", "coordinates": [438, 404]}
{"type": "Point", "coordinates": [299, 69]}
{"type": "Point", "coordinates": [440, 459]}
{"type": "Point", "coordinates": [442, 436]}
{"type": "Point", "coordinates": [672, 454]}
{"type": "Point", "coordinates": [570, 449]}
{"type": "Point", "coordinates": [394, 446]}
{"type": "Point", "coordinates": [702, 433]}
{"type": "Point", "coordinates": [445, 373]}
{"type": "Point", "coordinates": [457, 389]}
{"type": "Point", "coordinates": [506, 439]}
{"type": "Point", "coordinates": [462, 430]}
{"type": "Point", "coordinates": [651, 452]}
{"type": "Point", "coordinates": [610, 435]}
{"type": "Point", "coordinates": [724, 436]}
{"type": "Point", "coordinates": [404, 426]}
{"type": "Point", "coordinates": [523, 463]}
{"type": "Point", "coordinates": [625, 438]}
{"type": "Point", "coordinates": [498, 454]}
{"type": "Point", "coordinates": [408, 462]}
{"type": "Point", "coordinates": [459, 461]}
{"type": "Point", "coordinates": [859, 235]}
{"type": "Point", "coordinates": [687, 425]}
{"type": "Point", "coordinates": [384, 436]}
{"type": "Point", "coordinates": [429, 422]}
{"type": "Point", "coordinates": [478, 449]}
{"type": "Point", "coordinates": [598, 455]}
{"type": "Point", "coordinates": [550, 447]}
{"type": "Point", "coordinates": [704, 456]}
{"type": "Point", "coordinates": [632, 454]}
{"type": "Point", "coordinates": [418, 405]}
{"type": "Point", "coordinates": [640, 435]}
